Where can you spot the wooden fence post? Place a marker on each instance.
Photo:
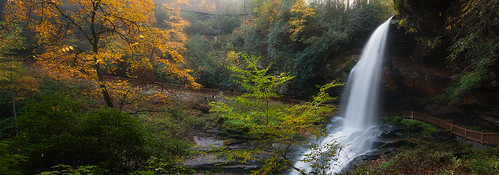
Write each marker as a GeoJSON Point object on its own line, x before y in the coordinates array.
{"type": "Point", "coordinates": [451, 127]}
{"type": "Point", "coordinates": [481, 140]}
{"type": "Point", "coordinates": [465, 133]}
{"type": "Point", "coordinates": [412, 115]}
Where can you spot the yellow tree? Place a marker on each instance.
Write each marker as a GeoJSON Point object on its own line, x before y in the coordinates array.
{"type": "Point", "coordinates": [301, 15]}
{"type": "Point", "coordinates": [87, 38]}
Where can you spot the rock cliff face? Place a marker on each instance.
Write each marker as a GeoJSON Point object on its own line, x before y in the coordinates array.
{"type": "Point", "coordinates": [413, 75]}
{"type": "Point", "coordinates": [428, 14]}
{"type": "Point", "coordinates": [417, 76]}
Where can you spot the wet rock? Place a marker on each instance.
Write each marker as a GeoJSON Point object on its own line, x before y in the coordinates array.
{"type": "Point", "coordinates": [368, 157]}
{"type": "Point", "coordinates": [213, 131]}
{"type": "Point", "coordinates": [394, 144]}
{"type": "Point", "coordinates": [210, 161]}
{"type": "Point", "coordinates": [207, 143]}
{"type": "Point", "coordinates": [392, 134]}
{"type": "Point", "coordinates": [378, 143]}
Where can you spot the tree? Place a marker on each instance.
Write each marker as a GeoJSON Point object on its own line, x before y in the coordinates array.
{"type": "Point", "coordinates": [88, 38]}
{"type": "Point", "coordinates": [475, 44]}
{"type": "Point", "coordinates": [301, 15]}
{"type": "Point", "coordinates": [266, 11]}
{"type": "Point", "coordinates": [13, 77]}
{"type": "Point", "coordinates": [275, 127]}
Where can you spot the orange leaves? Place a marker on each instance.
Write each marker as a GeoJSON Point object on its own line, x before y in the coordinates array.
{"type": "Point", "coordinates": [83, 39]}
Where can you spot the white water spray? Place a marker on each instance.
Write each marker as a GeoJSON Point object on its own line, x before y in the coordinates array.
{"type": "Point", "coordinates": [356, 132]}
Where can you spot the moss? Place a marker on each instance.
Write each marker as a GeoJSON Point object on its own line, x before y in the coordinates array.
{"type": "Point", "coordinates": [397, 119]}
{"type": "Point", "coordinates": [418, 126]}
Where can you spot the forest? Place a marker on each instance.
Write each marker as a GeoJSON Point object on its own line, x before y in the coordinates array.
{"type": "Point", "coordinates": [145, 87]}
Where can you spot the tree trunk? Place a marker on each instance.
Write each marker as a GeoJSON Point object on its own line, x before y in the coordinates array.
{"type": "Point", "coordinates": [105, 93]}
{"type": "Point", "coordinates": [15, 113]}
{"type": "Point", "coordinates": [95, 49]}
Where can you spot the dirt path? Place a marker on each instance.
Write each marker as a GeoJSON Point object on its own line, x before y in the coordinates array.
{"type": "Point", "coordinates": [186, 93]}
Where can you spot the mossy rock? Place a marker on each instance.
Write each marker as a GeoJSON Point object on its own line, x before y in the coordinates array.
{"type": "Point", "coordinates": [418, 126]}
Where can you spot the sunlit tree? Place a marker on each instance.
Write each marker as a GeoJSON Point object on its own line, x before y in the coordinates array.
{"type": "Point", "coordinates": [89, 38]}
{"type": "Point", "coordinates": [275, 127]}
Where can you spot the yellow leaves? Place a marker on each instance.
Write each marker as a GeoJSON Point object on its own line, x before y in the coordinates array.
{"type": "Point", "coordinates": [99, 61]}
{"type": "Point", "coordinates": [300, 9]}
{"type": "Point", "coordinates": [300, 16]}
{"type": "Point", "coordinates": [67, 49]}
{"type": "Point", "coordinates": [122, 37]}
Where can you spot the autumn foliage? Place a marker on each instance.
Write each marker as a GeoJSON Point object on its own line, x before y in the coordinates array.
{"type": "Point", "coordinates": [90, 38]}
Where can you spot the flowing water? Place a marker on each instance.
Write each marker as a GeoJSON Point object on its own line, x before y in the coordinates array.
{"type": "Point", "coordinates": [357, 130]}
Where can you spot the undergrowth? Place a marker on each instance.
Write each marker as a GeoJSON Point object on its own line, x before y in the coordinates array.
{"type": "Point", "coordinates": [431, 156]}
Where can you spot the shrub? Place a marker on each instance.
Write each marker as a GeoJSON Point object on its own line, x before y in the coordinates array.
{"type": "Point", "coordinates": [113, 137]}
{"type": "Point", "coordinates": [164, 166]}
{"type": "Point", "coordinates": [55, 129]}
{"type": "Point", "coordinates": [62, 169]}
{"type": "Point", "coordinates": [397, 119]}
{"type": "Point", "coordinates": [10, 161]}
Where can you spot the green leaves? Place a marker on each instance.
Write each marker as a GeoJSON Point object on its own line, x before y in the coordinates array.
{"type": "Point", "coordinates": [256, 80]}
{"type": "Point", "coordinates": [475, 45]}
{"type": "Point", "coordinates": [274, 126]}
{"type": "Point", "coordinates": [57, 128]}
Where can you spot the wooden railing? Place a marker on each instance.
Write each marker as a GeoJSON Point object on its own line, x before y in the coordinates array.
{"type": "Point", "coordinates": [478, 136]}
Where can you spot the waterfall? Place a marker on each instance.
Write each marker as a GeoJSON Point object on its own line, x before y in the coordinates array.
{"type": "Point", "coordinates": [357, 130]}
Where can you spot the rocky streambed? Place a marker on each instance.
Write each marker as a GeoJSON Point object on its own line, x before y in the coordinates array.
{"type": "Point", "coordinates": [395, 138]}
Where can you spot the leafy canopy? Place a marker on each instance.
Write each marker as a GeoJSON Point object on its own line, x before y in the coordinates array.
{"type": "Point", "coordinates": [276, 127]}
{"type": "Point", "coordinates": [475, 44]}
{"type": "Point", "coordinates": [88, 38]}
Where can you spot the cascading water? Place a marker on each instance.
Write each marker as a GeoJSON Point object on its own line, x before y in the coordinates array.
{"type": "Point", "coordinates": [356, 131]}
